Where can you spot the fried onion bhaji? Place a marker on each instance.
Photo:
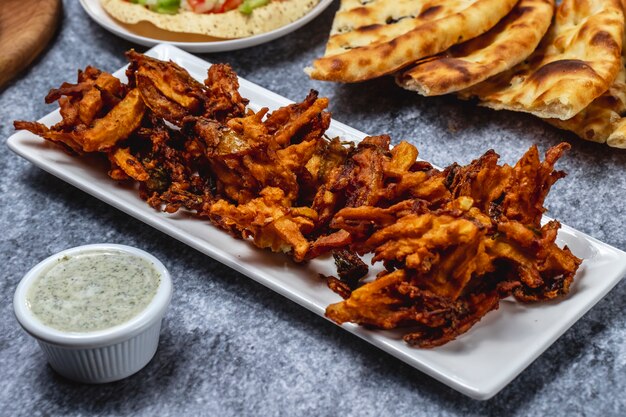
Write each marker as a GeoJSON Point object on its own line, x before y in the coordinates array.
{"type": "Point", "coordinates": [485, 243]}
{"type": "Point", "coordinates": [453, 242]}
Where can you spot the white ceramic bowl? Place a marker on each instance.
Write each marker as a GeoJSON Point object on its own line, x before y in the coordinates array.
{"type": "Point", "coordinates": [104, 355]}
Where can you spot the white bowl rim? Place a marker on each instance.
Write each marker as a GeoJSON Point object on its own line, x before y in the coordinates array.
{"type": "Point", "coordinates": [112, 335]}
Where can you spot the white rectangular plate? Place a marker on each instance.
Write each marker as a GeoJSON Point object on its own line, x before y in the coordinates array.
{"type": "Point", "coordinates": [479, 363]}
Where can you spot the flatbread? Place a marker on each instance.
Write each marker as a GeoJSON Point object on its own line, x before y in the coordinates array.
{"type": "Point", "coordinates": [378, 37]}
{"type": "Point", "coordinates": [507, 44]}
{"type": "Point", "coordinates": [604, 120]}
{"type": "Point", "coordinates": [617, 139]}
{"type": "Point", "coordinates": [598, 121]}
{"type": "Point", "coordinates": [576, 62]}
{"type": "Point", "coordinates": [229, 25]}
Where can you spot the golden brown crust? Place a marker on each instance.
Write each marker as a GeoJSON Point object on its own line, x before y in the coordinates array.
{"type": "Point", "coordinates": [576, 62]}
{"type": "Point", "coordinates": [601, 118]}
{"type": "Point", "coordinates": [381, 36]}
{"type": "Point", "coordinates": [604, 120]}
{"type": "Point", "coordinates": [508, 43]}
{"type": "Point", "coordinates": [617, 138]}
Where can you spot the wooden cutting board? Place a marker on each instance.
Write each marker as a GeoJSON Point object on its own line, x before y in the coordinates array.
{"type": "Point", "coordinates": [26, 27]}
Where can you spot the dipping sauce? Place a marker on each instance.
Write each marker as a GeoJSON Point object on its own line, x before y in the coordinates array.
{"type": "Point", "coordinates": [93, 290]}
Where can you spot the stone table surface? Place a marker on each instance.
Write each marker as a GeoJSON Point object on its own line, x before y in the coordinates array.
{"type": "Point", "coordinates": [232, 347]}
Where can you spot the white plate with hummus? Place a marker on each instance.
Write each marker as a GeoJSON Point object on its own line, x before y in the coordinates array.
{"type": "Point", "coordinates": [479, 363]}
{"type": "Point", "coordinates": [147, 34]}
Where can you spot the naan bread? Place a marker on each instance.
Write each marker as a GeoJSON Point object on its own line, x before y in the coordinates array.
{"type": "Point", "coordinates": [613, 132]}
{"type": "Point", "coordinates": [377, 37]}
{"type": "Point", "coordinates": [617, 139]}
{"type": "Point", "coordinates": [507, 44]}
{"type": "Point", "coordinates": [604, 120]}
{"type": "Point", "coordinates": [232, 24]}
{"type": "Point", "coordinates": [575, 63]}
{"type": "Point", "coordinates": [598, 121]}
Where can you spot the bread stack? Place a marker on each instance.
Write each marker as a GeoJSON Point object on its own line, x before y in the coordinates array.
{"type": "Point", "coordinates": [564, 65]}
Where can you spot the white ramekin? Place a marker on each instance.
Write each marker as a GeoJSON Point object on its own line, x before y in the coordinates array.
{"type": "Point", "coordinates": [103, 355]}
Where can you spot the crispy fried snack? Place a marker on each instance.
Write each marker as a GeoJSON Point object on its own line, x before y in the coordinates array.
{"type": "Point", "coordinates": [171, 93]}
{"type": "Point", "coordinates": [97, 111]}
{"type": "Point", "coordinates": [450, 266]}
{"type": "Point", "coordinates": [453, 242]}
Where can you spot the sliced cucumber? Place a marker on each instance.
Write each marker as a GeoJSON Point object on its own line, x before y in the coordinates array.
{"type": "Point", "coordinates": [249, 5]}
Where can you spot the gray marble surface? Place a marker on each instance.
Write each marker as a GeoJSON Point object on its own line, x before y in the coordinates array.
{"type": "Point", "coordinates": [232, 347]}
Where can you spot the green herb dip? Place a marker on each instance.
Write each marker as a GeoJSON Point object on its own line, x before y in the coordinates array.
{"type": "Point", "coordinates": [93, 291]}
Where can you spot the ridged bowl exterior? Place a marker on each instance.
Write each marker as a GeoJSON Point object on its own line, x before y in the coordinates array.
{"type": "Point", "coordinates": [104, 355]}
{"type": "Point", "coordinates": [107, 363]}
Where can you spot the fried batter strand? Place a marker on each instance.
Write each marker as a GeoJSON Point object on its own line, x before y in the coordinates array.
{"type": "Point", "coordinates": [453, 242]}
{"type": "Point", "coordinates": [458, 252]}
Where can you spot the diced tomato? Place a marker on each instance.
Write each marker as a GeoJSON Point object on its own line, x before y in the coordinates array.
{"type": "Point", "coordinates": [201, 6]}
{"type": "Point", "coordinates": [195, 4]}
{"type": "Point", "coordinates": [230, 5]}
